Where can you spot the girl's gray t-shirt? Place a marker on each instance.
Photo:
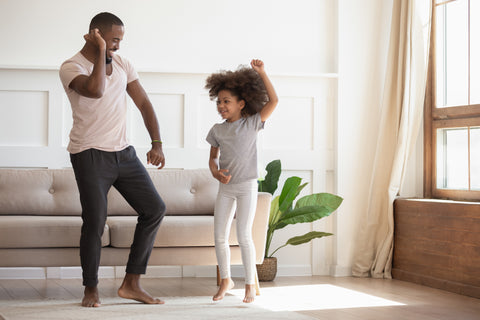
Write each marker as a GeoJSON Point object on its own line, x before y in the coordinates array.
{"type": "Point", "coordinates": [238, 146]}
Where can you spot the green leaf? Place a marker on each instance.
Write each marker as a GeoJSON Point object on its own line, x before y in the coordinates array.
{"type": "Point", "coordinates": [290, 204]}
{"type": "Point", "coordinates": [270, 184]}
{"type": "Point", "coordinates": [289, 193]}
{"type": "Point", "coordinates": [303, 215]}
{"type": "Point", "coordinates": [300, 188]}
{"type": "Point", "coordinates": [295, 241]}
{"type": "Point", "coordinates": [327, 200]}
{"type": "Point", "coordinates": [274, 213]}
{"type": "Point", "coordinates": [310, 208]}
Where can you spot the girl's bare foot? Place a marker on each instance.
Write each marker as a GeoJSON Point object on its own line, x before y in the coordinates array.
{"type": "Point", "coordinates": [90, 297]}
{"type": "Point", "coordinates": [249, 293]}
{"type": "Point", "coordinates": [130, 289]}
{"type": "Point", "coordinates": [225, 285]}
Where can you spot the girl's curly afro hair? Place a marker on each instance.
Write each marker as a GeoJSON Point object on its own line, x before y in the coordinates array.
{"type": "Point", "coordinates": [244, 83]}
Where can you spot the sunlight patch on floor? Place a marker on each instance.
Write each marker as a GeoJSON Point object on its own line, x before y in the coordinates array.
{"type": "Point", "coordinates": [314, 297]}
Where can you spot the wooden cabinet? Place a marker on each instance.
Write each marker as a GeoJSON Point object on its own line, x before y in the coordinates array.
{"type": "Point", "coordinates": [437, 244]}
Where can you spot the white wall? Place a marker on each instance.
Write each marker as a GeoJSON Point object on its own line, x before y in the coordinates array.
{"type": "Point", "coordinates": [175, 45]}
{"type": "Point", "coordinates": [178, 36]}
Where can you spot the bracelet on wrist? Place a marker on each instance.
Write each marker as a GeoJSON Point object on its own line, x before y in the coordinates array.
{"type": "Point", "coordinates": [157, 141]}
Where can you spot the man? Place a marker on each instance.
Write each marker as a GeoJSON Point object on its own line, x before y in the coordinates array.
{"type": "Point", "coordinates": [96, 81]}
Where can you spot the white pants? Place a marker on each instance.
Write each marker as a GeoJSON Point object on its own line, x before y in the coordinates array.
{"type": "Point", "coordinates": [243, 198]}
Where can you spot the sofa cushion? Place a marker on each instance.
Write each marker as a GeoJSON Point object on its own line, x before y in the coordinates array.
{"type": "Point", "coordinates": [185, 192]}
{"type": "Point", "coordinates": [54, 192]}
{"type": "Point", "coordinates": [39, 192]}
{"type": "Point", "coordinates": [42, 232]}
{"type": "Point", "coordinates": [174, 231]}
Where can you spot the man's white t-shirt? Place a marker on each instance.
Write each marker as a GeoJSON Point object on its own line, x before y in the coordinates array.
{"type": "Point", "coordinates": [98, 123]}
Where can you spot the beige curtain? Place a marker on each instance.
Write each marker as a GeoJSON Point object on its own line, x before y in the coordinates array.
{"type": "Point", "coordinates": [401, 118]}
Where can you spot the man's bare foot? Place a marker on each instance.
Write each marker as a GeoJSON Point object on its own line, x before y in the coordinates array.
{"type": "Point", "coordinates": [249, 293]}
{"type": "Point", "coordinates": [225, 285]}
{"type": "Point", "coordinates": [90, 298]}
{"type": "Point", "coordinates": [131, 289]}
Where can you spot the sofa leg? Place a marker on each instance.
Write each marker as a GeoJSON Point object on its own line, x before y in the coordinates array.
{"type": "Point", "coordinates": [257, 285]}
{"type": "Point", "coordinates": [218, 276]}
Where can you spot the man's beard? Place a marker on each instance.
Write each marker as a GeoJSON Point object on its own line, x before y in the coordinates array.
{"type": "Point", "coordinates": [108, 59]}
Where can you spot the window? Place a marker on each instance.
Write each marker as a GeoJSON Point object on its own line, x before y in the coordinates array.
{"type": "Point", "coordinates": [452, 103]}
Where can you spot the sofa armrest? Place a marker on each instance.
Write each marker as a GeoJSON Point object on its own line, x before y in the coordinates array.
{"type": "Point", "coordinates": [260, 224]}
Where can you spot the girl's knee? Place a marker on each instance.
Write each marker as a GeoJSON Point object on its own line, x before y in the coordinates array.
{"type": "Point", "coordinates": [221, 242]}
{"type": "Point", "coordinates": [244, 238]}
{"type": "Point", "coordinates": [246, 243]}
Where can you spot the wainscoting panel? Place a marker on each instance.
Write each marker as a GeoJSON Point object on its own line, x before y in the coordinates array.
{"type": "Point", "coordinates": [291, 126]}
{"type": "Point", "coordinates": [170, 111]}
{"type": "Point", "coordinates": [207, 117]}
{"type": "Point", "coordinates": [24, 118]}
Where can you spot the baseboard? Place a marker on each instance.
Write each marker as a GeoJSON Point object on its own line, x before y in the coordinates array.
{"type": "Point", "coordinates": [294, 270]}
{"type": "Point", "coordinates": [152, 272]}
{"type": "Point", "coordinates": [113, 272]}
{"type": "Point", "coordinates": [340, 271]}
{"type": "Point", "coordinates": [23, 273]}
{"type": "Point", "coordinates": [199, 271]}
{"type": "Point", "coordinates": [52, 273]}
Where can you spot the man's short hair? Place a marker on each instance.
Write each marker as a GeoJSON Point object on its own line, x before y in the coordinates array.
{"type": "Point", "coordinates": [104, 21]}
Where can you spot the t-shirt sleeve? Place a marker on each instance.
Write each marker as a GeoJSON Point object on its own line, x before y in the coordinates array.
{"type": "Point", "coordinates": [69, 70]}
{"type": "Point", "coordinates": [258, 124]}
{"type": "Point", "coordinates": [212, 139]}
{"type": "Point", "coordinates": [132, 74]}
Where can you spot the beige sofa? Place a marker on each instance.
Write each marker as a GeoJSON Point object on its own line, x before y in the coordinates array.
{"type": "Point", "coordinates": [40, 220]}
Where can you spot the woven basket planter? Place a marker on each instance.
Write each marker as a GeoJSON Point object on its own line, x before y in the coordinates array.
{"type": "Point", "coordinates": [267, 271]}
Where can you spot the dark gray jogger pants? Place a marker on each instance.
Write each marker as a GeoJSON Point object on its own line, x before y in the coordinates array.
{"type": "Point", "coordinates": [96, 171]}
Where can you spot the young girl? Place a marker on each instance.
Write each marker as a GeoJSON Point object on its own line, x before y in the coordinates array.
{"type": "Point", "coordinates": [245, 99]}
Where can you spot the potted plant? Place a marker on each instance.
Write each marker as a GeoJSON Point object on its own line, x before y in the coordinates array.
{"type": "Point", "coordinates": [283, 212]}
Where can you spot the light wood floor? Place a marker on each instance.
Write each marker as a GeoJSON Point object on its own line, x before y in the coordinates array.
{"type": "Point", "coordinates": [342, 298]}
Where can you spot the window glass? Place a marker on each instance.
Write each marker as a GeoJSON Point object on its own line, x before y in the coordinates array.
{"type": "Point", "coordinates": [452, 54]}
{"type": "Point", "coordinates": [452, 158]}
{"type": "Point", "coordinates": [475, 52]}
{"type": "Point", "coordinates": [475, 158]}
